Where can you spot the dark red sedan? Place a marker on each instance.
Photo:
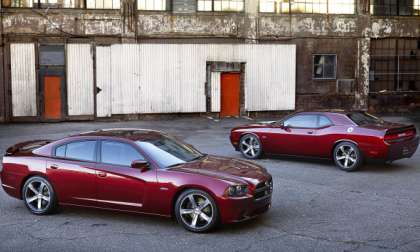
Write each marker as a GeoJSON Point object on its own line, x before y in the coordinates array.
{"type": "Point", "coordinates": [133, 170]}
{"type": "Point", "coordinates": [346, 137]}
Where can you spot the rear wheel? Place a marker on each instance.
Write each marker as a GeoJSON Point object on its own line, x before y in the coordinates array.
{"type": "Point", "coordinates": [250, 146]}
{"type": "Point", "coordinates": [196, 211]}
{"type": "Point", "coordinates": [347, 156]}
{"type": "Point", "coordinates": [39, 196]}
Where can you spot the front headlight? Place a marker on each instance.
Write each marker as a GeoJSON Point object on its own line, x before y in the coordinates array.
{"type": "Point", "coordinates": [236, 190]}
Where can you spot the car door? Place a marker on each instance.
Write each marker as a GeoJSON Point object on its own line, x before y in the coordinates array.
{"type": "Point", "coordinates": [72, 172]}
{"type": "Point", "coordinates": [324, 137]}
{"type": "Point", "coordinates": [120, 186]}
{"type": "Point", "coordinates": [296, 135]}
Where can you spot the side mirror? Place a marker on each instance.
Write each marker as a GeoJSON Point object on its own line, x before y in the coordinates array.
{"type": "Point", "coordinates": [141, 165]}
{"type": "Point", "coordinates": [282, 126]}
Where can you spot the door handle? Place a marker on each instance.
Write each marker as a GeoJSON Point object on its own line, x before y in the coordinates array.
{"type": "Point", "coordinates": [54, 166]}
{"type": "Point", "coordinates": [101, 174]}
{"type": "Point", "coordinates": [310, 132]}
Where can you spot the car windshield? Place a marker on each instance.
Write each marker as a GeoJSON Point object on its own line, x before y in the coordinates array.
{"type": "Point", "coordinates": [361, 118]}
{"type": "Point", "coordinates": [168, 152]}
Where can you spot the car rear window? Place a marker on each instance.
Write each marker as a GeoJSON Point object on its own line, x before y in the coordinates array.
{"type": "Point", "coordinates": [362, 118]}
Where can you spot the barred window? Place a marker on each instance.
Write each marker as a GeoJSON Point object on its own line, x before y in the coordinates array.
{"type": "Point", "coordinates": [157, 5]}
{"type": "Point", "coordinates": [395, 7]}
{"type": "Point", "coordinates": [308, 6]}
{"type": "Point", "coordinates": [220, 5]}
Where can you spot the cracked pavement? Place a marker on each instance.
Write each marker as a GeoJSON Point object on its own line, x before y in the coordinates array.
{"type": "Point", "coordinates": [316, 207]}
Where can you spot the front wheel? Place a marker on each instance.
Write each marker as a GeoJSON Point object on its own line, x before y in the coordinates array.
{"type": "Point", "coordinates": [196, 211]}
{"type": "Point", "coordinates": [347, 156]}
{"type": "Point", "coordinates": [39, 196]}
{"type": "Point", "coordinates": [250, 146]}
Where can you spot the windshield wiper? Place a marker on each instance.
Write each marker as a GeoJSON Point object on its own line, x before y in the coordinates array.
{"type": "Point", "coordinates": [173, 165]}
{"type": "Point", "coordinates": [198, 157]}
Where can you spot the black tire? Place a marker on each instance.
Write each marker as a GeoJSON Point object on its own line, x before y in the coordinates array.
{"type": "Point", "coordinates": [187, 219]}
{"type": "Point", "coordinates": [347, 156]}
{"type": "Point", "coordinates": [31, 195]}
{"type": "Point", "coordinates": [250, 146]}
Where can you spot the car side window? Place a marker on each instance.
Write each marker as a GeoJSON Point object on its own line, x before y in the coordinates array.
{"type": "Point", "coordinates": [118, 153]}
{"type": "Point", "coordinates": [60, 151]}
{"type": "Point", "coordinates": [81, 150]}
{"type": "Point", "coordinates": [323, 121]}
{"type": "Point", "coordinates": [302, 121]}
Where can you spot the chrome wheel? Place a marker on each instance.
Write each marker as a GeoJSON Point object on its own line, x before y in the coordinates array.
{"type": "Point", "coordinates": [37, 196]}
{"type": "Point", "coordinates": [346, 156]}
{"type": "Point", "coordinates": [250, 146]}
{"type": "Point", "coordinates": [196, 211]}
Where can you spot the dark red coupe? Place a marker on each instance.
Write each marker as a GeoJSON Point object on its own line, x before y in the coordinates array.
{"type": "Point", "coordinates": [346, 137]}
{"type": "Point", "coordinates": [135, 170]}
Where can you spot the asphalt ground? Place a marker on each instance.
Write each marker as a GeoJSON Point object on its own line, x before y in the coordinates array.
{"type": "Point", "coordinates": [316, 207]}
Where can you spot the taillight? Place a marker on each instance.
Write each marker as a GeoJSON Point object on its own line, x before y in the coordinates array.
{"type": "Point", "coordinates": [396, 137]}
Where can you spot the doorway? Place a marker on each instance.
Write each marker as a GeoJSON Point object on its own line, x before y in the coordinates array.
{"type": "Point", "coordinates": [52, 81]}
{"type": "Point", "coordinates": [52, 97]}
{"type": "Point", "coordinates": [230, 94]}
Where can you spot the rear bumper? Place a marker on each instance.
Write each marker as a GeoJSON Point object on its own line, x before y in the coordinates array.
{"type": "Point", "coordinates": [242, 209]}
{"type": "Point", "coordinates": [404, 149]}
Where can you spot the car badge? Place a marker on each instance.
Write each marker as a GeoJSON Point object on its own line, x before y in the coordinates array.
{"type": "Point", "coordinates": [350, 129]}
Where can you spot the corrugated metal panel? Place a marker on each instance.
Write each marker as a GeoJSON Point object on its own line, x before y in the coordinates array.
{"type": "Point", "coordinates": [23, 76]}
{"type": "Point", "coordinates": [125, 76]}
{"type": "Point", "coordinates": [103, 81]}
{"type": "Point", "coordinates": [215, 91]}
{"type": "Point", "coordinates": [270, 76]}
{"type": "Point", "coordinates": [170, 78]}
{"type": "Point", "coordinates": [80, 85]}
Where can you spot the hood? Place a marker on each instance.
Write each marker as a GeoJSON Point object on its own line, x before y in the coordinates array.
{"type": "Point", "coordinates": [229, 169]}
{"type": "Point", "coordinates": [265, 124]}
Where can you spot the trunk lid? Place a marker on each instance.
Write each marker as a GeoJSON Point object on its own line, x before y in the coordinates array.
{"type": "Point", "coordinates": [25, 147]}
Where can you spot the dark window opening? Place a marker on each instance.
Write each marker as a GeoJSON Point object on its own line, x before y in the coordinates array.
{"type": "Point", "coordinates": [324, 66]}
{"type": "Point", "coordinates": [395, 7]}
{"type": "Point", "coordinates": [394, 65]}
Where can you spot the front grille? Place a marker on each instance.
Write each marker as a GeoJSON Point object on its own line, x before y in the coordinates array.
{"type": "Point", "coordinates": [263, 189]}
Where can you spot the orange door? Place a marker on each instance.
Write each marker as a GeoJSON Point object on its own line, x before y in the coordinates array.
{"type": "Point", "coordinates": [229, 100]}
{"type": "Point", "coordinates": [52, 97]}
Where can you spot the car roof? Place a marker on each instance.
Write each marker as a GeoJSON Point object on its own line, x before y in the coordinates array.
{"type": "Point", "coordinates": [125, 133]}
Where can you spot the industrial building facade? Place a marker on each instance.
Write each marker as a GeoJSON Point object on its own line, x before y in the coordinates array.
{"type": "Point", "coordinates": [89, 59]}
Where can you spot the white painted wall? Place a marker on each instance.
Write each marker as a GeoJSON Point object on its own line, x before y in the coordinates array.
{"type": "Point", "coordinates": [23, 77]}
{"type": "Point", "coordinates": [215, 91]}
{"type": "Point", "coordinates": [170, 78]}
{"type": "Point", "coordinates": [103, 81]}
{"type": "Point", "coordinates": [80, 87]}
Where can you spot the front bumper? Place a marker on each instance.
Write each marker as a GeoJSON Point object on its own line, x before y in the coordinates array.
{"type": "Point", "coordinates": [242, 209]}
{"type": "Point", "coordinates": [404, 149]}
